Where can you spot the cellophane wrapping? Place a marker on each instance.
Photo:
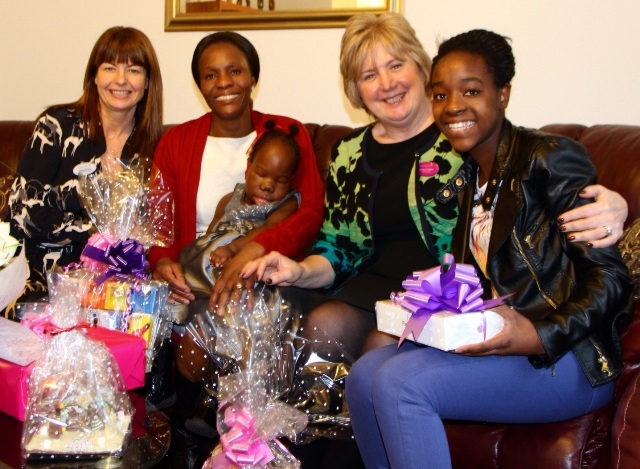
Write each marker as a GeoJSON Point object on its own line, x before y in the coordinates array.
{"type": "Point", "coordinates": [248, 347]}
{"type": "Point", "coordinates": [318, 385]}
{"type": "Point", "coordinates": [127, 205]}
{"type": "Point", "coordinates": [78, 407]}
{"type": "Point", "coordinates": [132, 305]}
{"type": "Point", "coordinates": [112, 283]}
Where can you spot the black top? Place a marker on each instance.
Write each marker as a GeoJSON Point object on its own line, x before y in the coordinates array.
{"type": "Point", "coordinates": [398, 247]}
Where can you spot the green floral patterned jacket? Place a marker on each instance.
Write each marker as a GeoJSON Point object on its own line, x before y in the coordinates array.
{"type": "Point", "coordinates": [346, 239]}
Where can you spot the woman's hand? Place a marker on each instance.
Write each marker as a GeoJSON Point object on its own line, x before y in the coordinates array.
{"type": "Point", "coordinates": [600, 223]}
{"type": "Point", "coordinates": [229, 284]}
{"type": "Point", "coordinates": [274, 269]}
{"type": "Point", "coordinates": [171, 272]}
{"type": "Point", "coordinates": [518, 337]}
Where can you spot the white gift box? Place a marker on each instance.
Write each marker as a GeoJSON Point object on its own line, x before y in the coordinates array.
{"type": "Point", "coordinates": [445, 331]}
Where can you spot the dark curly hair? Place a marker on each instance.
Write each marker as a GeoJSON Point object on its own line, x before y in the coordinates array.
{"type": "Point", "coordinates": [273, 133]}
{"type": "Point", "coordinates": [228, 37]}
{"type": "Point", "coordinates": [493, 48]}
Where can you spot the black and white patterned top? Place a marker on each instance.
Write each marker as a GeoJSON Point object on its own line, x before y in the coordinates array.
{"type": "Point", "coordinates": [46, 210]}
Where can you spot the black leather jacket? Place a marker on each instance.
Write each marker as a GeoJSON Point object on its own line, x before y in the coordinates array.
{"type": "Point", "coordinates": [574, 295]}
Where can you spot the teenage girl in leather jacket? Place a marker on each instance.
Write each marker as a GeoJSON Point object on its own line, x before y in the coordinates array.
{"type": "Point", "coordinates": [559, 350]}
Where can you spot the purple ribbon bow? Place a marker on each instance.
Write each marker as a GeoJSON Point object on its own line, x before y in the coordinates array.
{"type": "Point", "coordinates": [122, 259]}
{"type": "Point", "coordinates": [451, 287]}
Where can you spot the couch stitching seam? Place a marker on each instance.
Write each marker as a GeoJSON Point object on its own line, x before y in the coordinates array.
{"type": "Point", "coordinates": [624, 422]}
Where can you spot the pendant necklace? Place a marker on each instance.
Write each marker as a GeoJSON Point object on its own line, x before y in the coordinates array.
{"type": "Point", "coordinates": [113, 161]}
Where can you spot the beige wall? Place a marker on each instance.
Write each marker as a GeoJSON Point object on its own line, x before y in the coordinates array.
{"type": "Point", "coordinates": [577, 60]}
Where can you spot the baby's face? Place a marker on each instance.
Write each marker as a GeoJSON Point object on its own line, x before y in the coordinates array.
{"type": "Point", "coordinates": [269, 174]}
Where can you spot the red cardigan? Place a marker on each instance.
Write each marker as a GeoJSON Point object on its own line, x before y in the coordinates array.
{"type": "Point", "coordinates": [179, 158]}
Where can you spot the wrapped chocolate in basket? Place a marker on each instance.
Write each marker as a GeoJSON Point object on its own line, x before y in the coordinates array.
{"type": "Point", "coordinates": [253, 374]}
{"type": "Point", "coordinates": [112, 283]}
{"type": "Point", "coordinates": [77, 407]}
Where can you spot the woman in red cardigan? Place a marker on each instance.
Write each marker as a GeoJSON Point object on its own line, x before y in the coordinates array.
{"type": "Point", "coordinates": [201, 161]}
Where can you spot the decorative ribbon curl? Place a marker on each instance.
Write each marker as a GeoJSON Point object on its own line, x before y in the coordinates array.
{"type": "Point", "coordinates": [43, 325]}
{"type": "Point", "coordinates": [120, 259]}
{"type": "Point", "coordinates": [241, 445]}
{"type": "Point", "coordinates": [451, 287]}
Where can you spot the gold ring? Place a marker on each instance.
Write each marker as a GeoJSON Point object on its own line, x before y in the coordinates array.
{"type": "Point", "coordinates": [239, 286]}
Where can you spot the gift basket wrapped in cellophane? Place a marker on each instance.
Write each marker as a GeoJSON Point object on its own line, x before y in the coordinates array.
{"type": "Point", "coordinates": [112, 282]}
{"type": "Point", "coordinates": [252, 375]}
{"type": "Point", "coordinates": [77, 404]}
{"type": "Point", "coordinates": [297, 373]}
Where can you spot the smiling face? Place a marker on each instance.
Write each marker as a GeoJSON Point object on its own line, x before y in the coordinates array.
{"type": "Point", "coordinates": [226, 81]}
{"type": "Point", "coordinates": [120, 86]}
{"type": "Point", "coordinates": [393, 90]}
{"type": "Point", "coordinates": [270, 173]}
{"type": "Point", "coordinates": [467, 105]}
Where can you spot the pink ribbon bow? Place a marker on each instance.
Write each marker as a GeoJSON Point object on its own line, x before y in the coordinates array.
{"type": "Point", "coordinates": [451, 287]}
{"type": "Point", "coordinates": [43, 325]}
{"type": "Point", "coordinates": [241, 445]}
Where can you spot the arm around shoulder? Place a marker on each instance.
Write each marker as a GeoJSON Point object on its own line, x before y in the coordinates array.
{"type": "Point", "coordinates": [601, 222]}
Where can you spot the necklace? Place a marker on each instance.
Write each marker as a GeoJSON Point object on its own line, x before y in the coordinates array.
{"type": "Point", "coordinates": [116, 144]}
{"type": "Point", "coordinates": [112, 157]}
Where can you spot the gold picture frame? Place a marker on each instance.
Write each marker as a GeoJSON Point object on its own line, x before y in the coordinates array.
{"type": "Point", "coordinates": [186, 15]}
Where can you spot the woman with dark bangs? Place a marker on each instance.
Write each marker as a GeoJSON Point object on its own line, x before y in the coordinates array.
{"type": "Point", "coordinates": [117, 121]}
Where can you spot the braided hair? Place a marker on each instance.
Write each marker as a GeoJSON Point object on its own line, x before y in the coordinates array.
{"type": "Point", "coordinates": [493, 48]}
{"type": "Point", "coordinates": [274, 133]}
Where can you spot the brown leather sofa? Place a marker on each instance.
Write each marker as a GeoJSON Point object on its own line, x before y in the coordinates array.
{"type": "Point", "coordinates": [608, 438]}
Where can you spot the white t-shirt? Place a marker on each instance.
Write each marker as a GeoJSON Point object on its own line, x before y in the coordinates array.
{"type": "Point", "coordinates": [224, 163]}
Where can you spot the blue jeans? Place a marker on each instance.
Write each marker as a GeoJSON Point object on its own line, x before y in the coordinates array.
{"type": "Point", "coordinates": [398, 397]}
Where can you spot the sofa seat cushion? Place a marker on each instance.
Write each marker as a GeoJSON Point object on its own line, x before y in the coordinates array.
{"type": "Point", "coordinates": [558, 445]}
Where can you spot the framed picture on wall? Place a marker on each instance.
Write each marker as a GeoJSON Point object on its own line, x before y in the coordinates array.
{"type": "Point", "coordinates": [208, 15]}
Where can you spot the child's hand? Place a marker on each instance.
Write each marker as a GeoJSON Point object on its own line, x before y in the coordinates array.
{"type": "Point", "coordinates": [220, 255]}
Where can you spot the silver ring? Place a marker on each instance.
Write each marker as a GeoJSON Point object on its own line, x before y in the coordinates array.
{"type": "Point", "coordinates": [239, 286]}
{"type": "Point", "coordinates": [609, 230]}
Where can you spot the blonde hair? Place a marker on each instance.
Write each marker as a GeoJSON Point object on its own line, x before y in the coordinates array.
{"type": "Point", "coordinates": [363, 33]}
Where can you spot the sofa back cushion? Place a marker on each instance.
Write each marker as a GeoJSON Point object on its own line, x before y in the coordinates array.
{"type": "Point", "coordinates": [13, 137]}
{"type": "Point", "coordinates": [323, 138]}
{"type": "Point", "coordinates": [615, 150]}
